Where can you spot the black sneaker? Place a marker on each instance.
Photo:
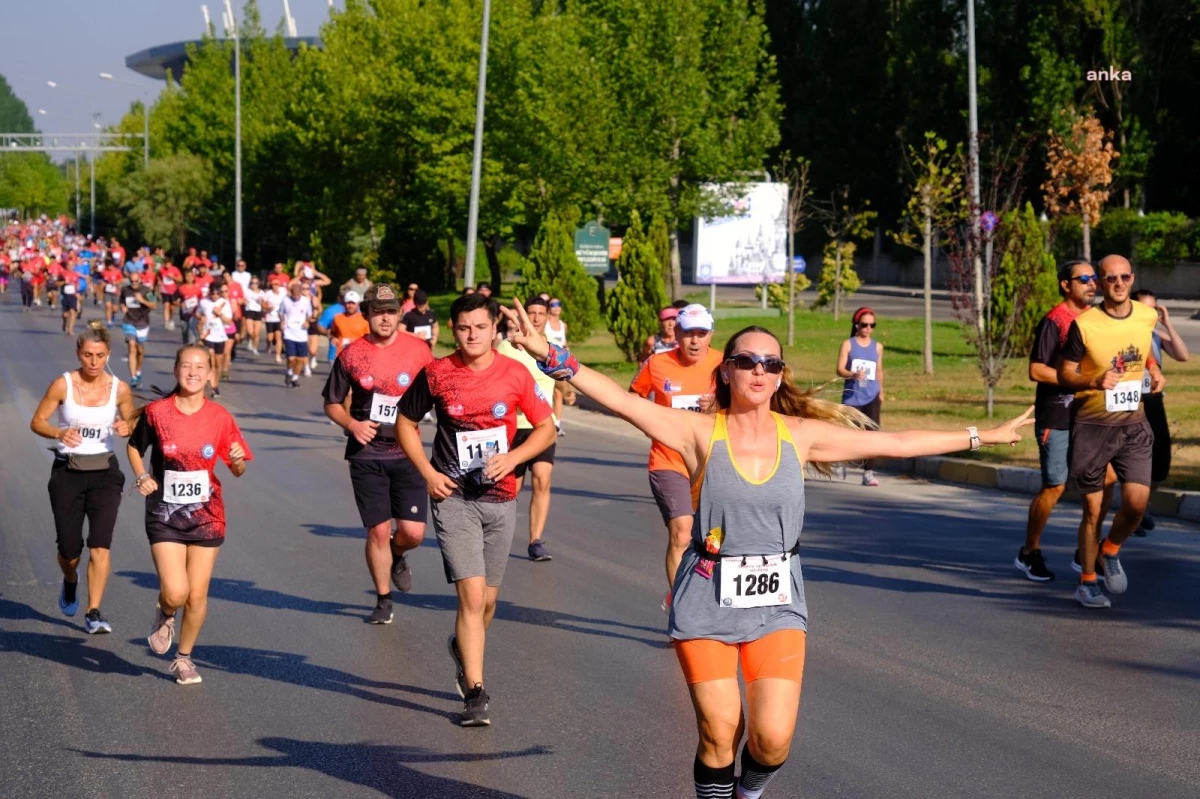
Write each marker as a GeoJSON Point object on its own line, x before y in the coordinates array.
{"type": "Point", "coordinates": [401, 574]}
{"type": "Point", "coordinates": [1033, 565]}
{"type": "Point", "coordinates": [1147, 522]}
{"type": "Point", "coordinates": [538, 553]}
{"type": "Point", "coordinates": [460, 674]}
{"type": "Point", "coordinates": [94, 622]}
{"type": "Point", "coordinates": [382, 614]}
{"type": "Point", "coordinates": [475, 708]}
{"type": "Point", "coordinates": [1075, 567]}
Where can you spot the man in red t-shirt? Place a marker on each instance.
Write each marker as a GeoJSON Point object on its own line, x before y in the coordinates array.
{"type": "Point", "coordinates": [203, 278]}
{"type": "Point", "coordinates": [278, 277]}
{"type": "Point", "coordinates": [477, 392]}
{"type": "Point", "coordinates": [112, 278]}
{"type": "Point", "coordinates": [237, 298]}
{"type": "Point", "coordinates": [189, 302]}
{"type": "Point", "coordinates": [169, 278]}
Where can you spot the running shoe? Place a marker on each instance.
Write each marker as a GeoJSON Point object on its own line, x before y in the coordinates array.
{"type": "Point", "coordinates": [94, 622]}
{"type": "Point", "coordinates": [538, 553]}
{"type": "Point", "coordinates": [216, 391]}
{"type": "Point", "coordinates": [1114, 576]}
{"type": "Point", "coordinates": [312, 362]}
{"type": "Point", "coordinates": [475, 708]}
{"type": "Point", "coordinates": [185, 671]}
{"type": "Point", "coordinates": [135, 381]}
{"type": "Point", "coordinates": [1147, 522]}
{"type": "Point", "coordinates": [1139, 532]}
{"type": "Point", "coordinates": [307, 370]}
{"type": "Point", "coordinates": [382, 614]}
{"type": "Point", "coordinates": [460, 674]}
{"type": "Point", "coordinates": [1090, 596]}
{"type": "Point", "coordinates": [68, 608]}
{"type": "Point", "coordinates": [869, 479]}
{"type": "Point", "coordinates": [1033, 565]}
{"type": "Point", "coordinates": [401, 574]}
{"type": "Point", "coordinates": [162, 634]}
{"type": "Point", "coordinates": [1075, 567]}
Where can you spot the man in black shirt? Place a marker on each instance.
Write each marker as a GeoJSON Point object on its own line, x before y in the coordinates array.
{"type": "Point", "coordinates": [421, 321]}
{"type": "Point", "coordinates": [1052, 414]}
{"type": "Point", "coordinates": [136, 326]}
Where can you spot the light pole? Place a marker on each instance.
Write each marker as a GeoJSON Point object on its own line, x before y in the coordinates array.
{"type": "Point", "coordinates": [237, 132]}
{"type": "Point", "coordinates": [973, 156]}
{"type": "Point", "coordinates": [477, 160]}
{"type": "Point", "coordinates": [145, 115]}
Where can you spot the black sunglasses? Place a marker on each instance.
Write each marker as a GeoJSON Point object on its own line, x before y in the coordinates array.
{"type": "Point", "coordinates": [1085, 279]}
{"type": "Point", "coordinates": [866, 324]}
{"type": "Point", "coordinates": [771, 364]}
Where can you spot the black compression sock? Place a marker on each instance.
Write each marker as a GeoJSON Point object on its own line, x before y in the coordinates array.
{"type": "Point", "coordinates": [387, 596]}
{"type": "Point", "coordinates": [755, 775]}
{"type": "Point", "coordinates": [69, 590]}
{"type": "Point", "coordinates": [713, 783]}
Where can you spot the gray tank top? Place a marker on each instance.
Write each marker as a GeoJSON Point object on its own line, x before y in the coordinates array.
{"type": "Point", "coordinates": [757, 518]}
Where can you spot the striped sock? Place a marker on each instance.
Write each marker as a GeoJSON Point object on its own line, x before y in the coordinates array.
{"type": "Point", "coordinates": [713, 783]}
{"type": "Point", "coordinates": [755, 776]}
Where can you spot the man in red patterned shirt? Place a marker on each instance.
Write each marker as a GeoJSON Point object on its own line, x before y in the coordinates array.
{"type": "Point", "coordinates": [477, 393]}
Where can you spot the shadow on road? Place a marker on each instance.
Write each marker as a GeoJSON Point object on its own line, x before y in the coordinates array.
{"type": "Point", "coordinates": [376, 766]}
{"type": "Point", "coordinates": [294, 669]}
{"type": "Point", "coordinates": [247, 593]}
{"type": "Point", "coordinates": [74, 653]}
{"type": "Point", "coordinates": [18, 611]}
{"type": "Point", "coordinates": [544, 617]}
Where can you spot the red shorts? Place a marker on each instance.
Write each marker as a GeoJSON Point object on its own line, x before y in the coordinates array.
{"type": "Point", "coordinates": [779, 655]}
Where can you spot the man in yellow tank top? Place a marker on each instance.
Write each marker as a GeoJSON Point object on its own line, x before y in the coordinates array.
{"type": "Point", "coordinates": [1107, 361]}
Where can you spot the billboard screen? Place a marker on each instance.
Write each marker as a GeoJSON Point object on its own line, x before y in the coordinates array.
{"type": "Point", "coordinates": [748, 244]}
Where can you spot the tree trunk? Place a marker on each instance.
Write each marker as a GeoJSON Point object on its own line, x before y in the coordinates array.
{"type": "Point", "coordinates": [676, 266]}
{"type": "Point", "coordinates": [837, 280]}
{"type": "Point", "coordinates": [991, 396]}
{"type": "Point", "coordinates": [791, 292]}
{"type": "Point", "coordinates": [1087, 240]}
{"type": "Point", "coordinates": [927, 250]}
{"type": "Point", "coordinates": [496, 277]}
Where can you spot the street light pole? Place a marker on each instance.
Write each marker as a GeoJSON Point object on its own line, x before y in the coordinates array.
{"type": "Point", "coordinates": [973, 157]}
{"type": "Point", "coordinates": [477, 160]}
{"type": "Point", "coordinates": [237, 134]}
{"type": "Point", "coordinates": [78, 211]}
{"type": "Point", "coordinates": [92, 164]}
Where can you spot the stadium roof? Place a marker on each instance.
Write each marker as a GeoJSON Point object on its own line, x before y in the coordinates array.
{"type": "Point", "coordinates": [156, 62]}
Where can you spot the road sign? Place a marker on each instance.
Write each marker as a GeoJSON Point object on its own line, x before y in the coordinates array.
{"type": "Point", "coordinates": [799, 264]}
{"type": "Point", "coordinates": [988, 221]}
{"type": "Point", "coordinates": [591, 248]}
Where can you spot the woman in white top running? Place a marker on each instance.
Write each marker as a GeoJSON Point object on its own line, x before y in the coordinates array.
{"type": "Point", "coordinates": [272, 299]}
{"type": "Point", "coordinates": [215, 315]}
{"type": "Point", "coordinates": [253, 312]}
{"type": "Point", "coordinates": [85, 480]}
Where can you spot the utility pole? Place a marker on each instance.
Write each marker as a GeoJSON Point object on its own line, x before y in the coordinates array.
{"type": "Point", "coordinates": [237, 134]}
{"type": "Point", "coordinates": [973, 156]}
{"type": "Point", "coordinates": [477, 161]}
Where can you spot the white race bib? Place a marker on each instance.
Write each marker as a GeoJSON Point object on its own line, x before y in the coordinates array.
{"type": "Point", "coordinates": [1124, 397]}
{"type": "Point", "coordinates": [185, 488]}
{"type": "Point", "coordinates": [110, 288]}
{"type": "Point", "coordinates": [296, 322]}
{"type": "Point", "coordinates": [131, 302]}
{"type": "Point", "coordinates": [68, 289]}
{"type": "Point", "coordinates": [383, 408]}
{"type": "Point", "coordinates": [755, 581]}
{"type": "Point", "coordinates": [476, 447]}
{"type": "Point", "coordinates": [93, 433]}
{"type": "Point", "coordinates": [860, 365]}
{"type": "Point", "coordinates": [190, 303]}
{"type": "Point", "coordinates": [687, 402]}
{"type": "Point", "coordinates": [423, 331]}
{"type": "Point", "coordinates": [1146, 382]}
{"type": "Point", "coordinates": [167, 280]}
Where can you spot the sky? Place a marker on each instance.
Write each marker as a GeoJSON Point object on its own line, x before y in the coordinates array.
{"type": "Point", "coordinates": [72, 41]}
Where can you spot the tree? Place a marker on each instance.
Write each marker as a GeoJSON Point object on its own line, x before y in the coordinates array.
{"type": "Point", "coordinates": [841, 221]}
{"type": "Point", "coordinates": [32, 184]}
{"type": "Point", "coordinates": [553, 268]}
{"type": "Point", "coordinates": [1080, 170]}
{"type": "Point", "coordinates": [1025, 268]}
{"type": "Point", "coordinates": [793, 172]}
{"type": "Point", "coordinates": [634, 303]}
{"type": "Point", "coordinates": [935, 204]}
{"type": "Point", "coordinates": [165, 199]}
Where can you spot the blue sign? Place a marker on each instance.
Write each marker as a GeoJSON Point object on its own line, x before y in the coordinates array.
{"type": "Point", "coordinates": [799, 264]}
{"type": "Point", "coordinates": [988, 221]}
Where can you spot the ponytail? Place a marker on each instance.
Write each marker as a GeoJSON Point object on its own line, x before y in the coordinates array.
{"type": "Point", "coordinates": [790, 400]}
{"type": "Point", "coordinates": [95, 331]}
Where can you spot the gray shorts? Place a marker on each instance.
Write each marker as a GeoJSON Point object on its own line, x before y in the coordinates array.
{"type": "Point", "coordinates": [1053, 446]}
{"type": "Point", "coordinates": [673, 494]}
{"type": "Point", "coordinates": [475, 537]}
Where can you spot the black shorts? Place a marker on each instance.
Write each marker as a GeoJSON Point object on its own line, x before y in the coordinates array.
{"type": "Point", "coordinates": [254, 315]}
{"type": "Point", "coordinates": [672, 493]}
{"type": "Point", "coordinates": [70, 302]}
{"type": "Point", "coordinates": [216, 346]}
{"type": "Point", "coordinates": [546, 456]}
{"type": "Point", "coordinates": [272, 328]}
{"type": "Point", "coordinates": [75, 496]}
{"type": "Point", "coordinates": [1156, 415]}
{"type": "Point", "coordinates": [171, 297]}
{"type": "Point", "coordinates": [162, 534]}
{"type": "Point", "coordinates": [314, 329]}
{"type": "Point", "coordinates": [388, 489]}
{"type": "Point", "coordinates": [1129, 448]}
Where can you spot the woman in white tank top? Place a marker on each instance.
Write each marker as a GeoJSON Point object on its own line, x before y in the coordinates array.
{"type": "Point", "coordinates": [85, 480]}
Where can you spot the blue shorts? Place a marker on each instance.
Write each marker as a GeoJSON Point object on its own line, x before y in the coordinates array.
{"type": "Point", "coordinates": [135, 334]}
{"type": "Point", "coordinates": [295, 349]}
{"type": "Point", "coordinates": [1053, 449]}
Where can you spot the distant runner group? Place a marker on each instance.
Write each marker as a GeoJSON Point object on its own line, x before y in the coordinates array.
{"type": "Point", "coordinates": [732, 438]}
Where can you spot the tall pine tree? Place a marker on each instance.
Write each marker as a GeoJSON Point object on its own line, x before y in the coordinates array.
{"type": "Point", "coordinates": [553, 268]}
{"type": "Point", "coordinates": [635, 301]}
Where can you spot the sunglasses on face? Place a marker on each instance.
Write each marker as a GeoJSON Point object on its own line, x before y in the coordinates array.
{"type": "Point", "coordinates": [1085, 279]}
{"type": "Point", "coordinates": [771, 364]}
{"type": "Point", "coordinates": [1127, 277]}
{"type": "Point", "coordinates": [866, 324]}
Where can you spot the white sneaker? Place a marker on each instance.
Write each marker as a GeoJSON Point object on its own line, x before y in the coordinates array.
{"type": "Point", "coordinates": [307, 370]}
{"type": "Point", "coordinates": [312, 362]}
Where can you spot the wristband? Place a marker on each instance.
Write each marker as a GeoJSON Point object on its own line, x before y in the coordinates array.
{"type": "Point", "coordinates": [974, 433]}
{"type": "Point", "coordinates": [141, 477]}
{"type": "Point", "coordinates": [560, 363]}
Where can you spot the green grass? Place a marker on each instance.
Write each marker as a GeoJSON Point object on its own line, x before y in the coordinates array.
{"type": "Point", "coordinates": [952, 397]}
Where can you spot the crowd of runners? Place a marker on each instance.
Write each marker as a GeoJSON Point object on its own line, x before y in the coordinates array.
{"type": "Point", "coordinates": [732, 438]}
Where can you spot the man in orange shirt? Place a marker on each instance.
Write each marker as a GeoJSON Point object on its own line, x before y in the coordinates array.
{"type": "Point", "coordinates": [680, 378]}
{"type": "Point", "coordinates": [349, 326]}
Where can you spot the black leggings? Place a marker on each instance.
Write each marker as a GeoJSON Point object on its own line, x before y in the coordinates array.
{"type": "Point", "coordinates": [1156, 415]}
{"type": "Point", "coordinates": [75, 496]}
{"type": "Point", "coordinates": [871, 411]}
{"type": "Point", "coordinates": [26, 294]}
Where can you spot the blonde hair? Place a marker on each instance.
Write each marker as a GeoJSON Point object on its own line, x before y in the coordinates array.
{"type": "Point", "coordinates": [94, 332]}
{"type": "Point", "coordinates": [791, 400]}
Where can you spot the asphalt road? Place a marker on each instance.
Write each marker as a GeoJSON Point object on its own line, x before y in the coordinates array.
{"type": "Point", "coordinates": [933, 669]}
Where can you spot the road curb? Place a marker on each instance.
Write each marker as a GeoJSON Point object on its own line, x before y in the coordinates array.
{"type": "Point", "coordinates": [1165, 502]}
